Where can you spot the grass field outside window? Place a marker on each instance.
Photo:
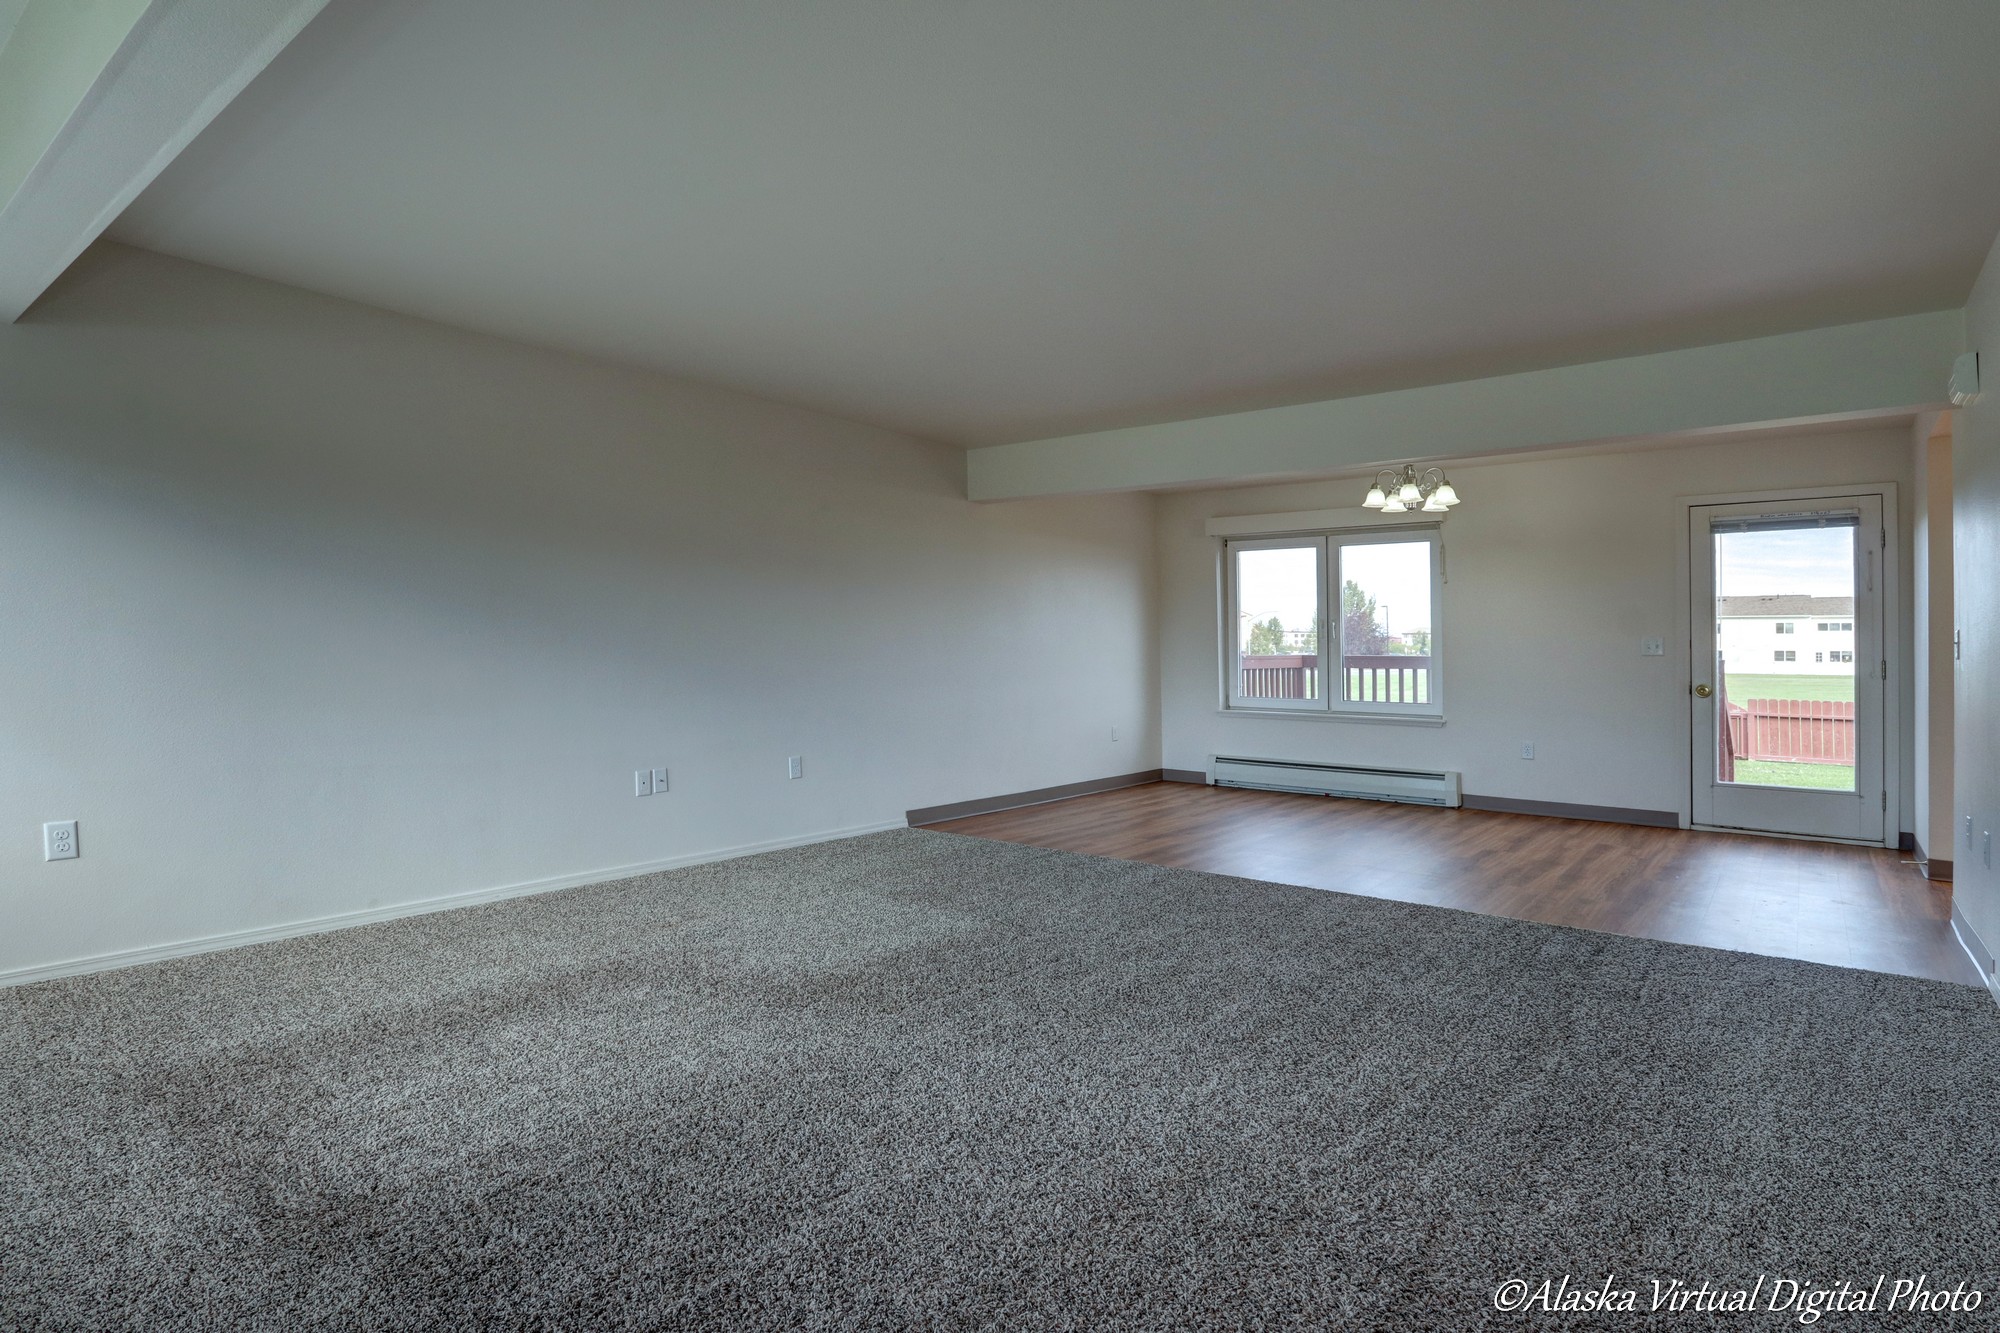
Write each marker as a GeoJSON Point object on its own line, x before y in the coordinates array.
{"type": "Point", "coordinates": [1773, 773]}
{"type": "Point", "coordinates": [1744, 687]}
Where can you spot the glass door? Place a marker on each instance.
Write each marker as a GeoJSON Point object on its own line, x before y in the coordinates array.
{"type": "Point", "coordinates": [1788, 666]}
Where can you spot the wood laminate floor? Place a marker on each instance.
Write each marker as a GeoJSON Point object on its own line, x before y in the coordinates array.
{"type": "Point", "coordinates": [1852, 906]}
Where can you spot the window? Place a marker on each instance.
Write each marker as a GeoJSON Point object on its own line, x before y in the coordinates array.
{"type": "Point", "coordinates": [1785, 655]}
{"type": "Point", "coordinates": [1364, 601]}
{"type": "Point", "coordinates": [1787, 627]}
{"type": "Point", "coordinates": [1829, 626]}
{"type": "Point", "coordinates": [1819, 657]}
{"type": "Point", "coordinates": [1840, 657]}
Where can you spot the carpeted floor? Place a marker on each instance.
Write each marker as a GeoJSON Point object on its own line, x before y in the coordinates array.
{"type": "Point", "coordinates": [919, 1080]}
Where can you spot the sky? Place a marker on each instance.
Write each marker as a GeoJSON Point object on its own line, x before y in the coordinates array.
{"type": "Point", "coordinates": [1284, 583]}
{"type": "Point", "coordinates": [1818, 562]}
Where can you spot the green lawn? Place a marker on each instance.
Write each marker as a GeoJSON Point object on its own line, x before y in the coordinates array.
{"type": "Point", "coordinates": [1771, 773]}
{"type": "Point", "coordinates": [1744, 687]}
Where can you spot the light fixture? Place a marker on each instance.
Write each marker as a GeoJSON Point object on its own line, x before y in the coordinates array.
{"type": "Point", "coordinates": [1407, 489]}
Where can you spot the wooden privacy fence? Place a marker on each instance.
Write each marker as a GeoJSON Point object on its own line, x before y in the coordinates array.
{"type": "Point", "coordinates": [1803, 731]}
{"type": "Point", "coordinates": [1381, 678]}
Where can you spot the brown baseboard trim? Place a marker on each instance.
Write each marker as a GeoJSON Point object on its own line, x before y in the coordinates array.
{"type": "Point", "coordinates": [937, 814]}
{"type": "Point", "coordinates": [1603, 814]}
{"type": "Point", "coordinates": [1193, 775]}
{"type": "Point", "coordinates": [1940, 871]}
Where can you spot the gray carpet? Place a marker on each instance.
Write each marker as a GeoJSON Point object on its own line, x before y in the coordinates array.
{"type": "Point", "coordinates": [919, 1080]}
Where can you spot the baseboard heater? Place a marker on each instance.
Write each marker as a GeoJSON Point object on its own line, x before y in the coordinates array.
{"type": "Point", "coordinates": [1411, 785]}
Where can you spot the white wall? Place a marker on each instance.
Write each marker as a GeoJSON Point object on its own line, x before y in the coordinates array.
{"type": "Point", "coordinates": [1931, 617]}
{"type": "Point", "coordinates": [306, 608]}
{"type": "Point", "coordinates": [1579, 555]}
{"type": "Point", "coordinates": [1975, 532]}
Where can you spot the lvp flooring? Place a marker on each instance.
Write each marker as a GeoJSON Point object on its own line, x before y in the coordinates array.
{"type": "Point", "coordinates": [1828, 903]}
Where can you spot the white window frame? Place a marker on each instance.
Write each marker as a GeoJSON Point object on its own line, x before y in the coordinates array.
{"type": "Point", "coordinates": [1232, 646]}
{"type": "Point", "coordinates": [1331, 651]}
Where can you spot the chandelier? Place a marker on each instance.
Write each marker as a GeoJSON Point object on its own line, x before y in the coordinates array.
{"type": "Point", "coordinates": [1399, 490]}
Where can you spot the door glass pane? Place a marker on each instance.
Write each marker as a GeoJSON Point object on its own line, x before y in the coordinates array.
{"type": "Point", "coordinates": [1277, 623]}
{"type": "Point", "coordinates": [1784, 652]}
{"type": "Point", "coordinates": [1385, 622]}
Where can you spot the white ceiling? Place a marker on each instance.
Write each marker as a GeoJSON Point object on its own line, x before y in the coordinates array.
{"type": "Point", "coordinates": [990, 220]}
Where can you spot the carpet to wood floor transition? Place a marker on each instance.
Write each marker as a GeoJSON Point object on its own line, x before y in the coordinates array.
{"type": "Point", "coordinates": [921, 1080]}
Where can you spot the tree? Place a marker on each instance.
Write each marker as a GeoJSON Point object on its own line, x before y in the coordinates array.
{"type": "Point", "coordinates": [1418, 642]}
{"type": "Point", "coordinates": [1361, 636]}
{"type": "Point", "coordinates": [1267, 637]}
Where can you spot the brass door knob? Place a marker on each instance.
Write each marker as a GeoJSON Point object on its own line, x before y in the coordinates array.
{"type": "Point", "coordinates": [1702, 691]}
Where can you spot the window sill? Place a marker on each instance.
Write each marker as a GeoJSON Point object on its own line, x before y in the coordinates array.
{"type": "Point", "coordinates": [1345, 715]}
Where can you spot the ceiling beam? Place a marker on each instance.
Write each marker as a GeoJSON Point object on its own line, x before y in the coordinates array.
{"type": "Point", "coordinates": [1841, 373]}
{"type": "Point", "coordinates": [96, 99]}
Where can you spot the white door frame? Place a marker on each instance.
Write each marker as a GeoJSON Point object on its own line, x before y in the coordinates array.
{"type": "Point", "coordinates": [1895, 642]}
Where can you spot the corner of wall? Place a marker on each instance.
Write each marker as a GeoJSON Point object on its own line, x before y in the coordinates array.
{"type": "Point", "coordinates": [1975, 536]}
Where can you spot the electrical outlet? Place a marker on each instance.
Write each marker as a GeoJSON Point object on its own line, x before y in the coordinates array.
{"type": "Point", "coordinates": [659, 780]}
{"type": "Point", "coordinates": [59, 840]}
{"type": "Point", "coordinates": [1652, 647]}
{"type": "Point", "coordinates": [1527, 749]}
{"type": "Point", "coordinates": [642, 782]}
{"type": "Point", "coordinates": [795, 766]}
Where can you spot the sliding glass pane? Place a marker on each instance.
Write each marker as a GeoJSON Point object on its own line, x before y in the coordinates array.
{"type": "Point", "coordinates": [1784, 647]}
{"type": "Point", "coordinates": [1385, 622]}
{"type": "Point", "coordinates": [1277, 623]}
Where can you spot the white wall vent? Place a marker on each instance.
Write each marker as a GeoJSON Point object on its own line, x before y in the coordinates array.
{"type": "Point", "coordinates": [1415, 786]}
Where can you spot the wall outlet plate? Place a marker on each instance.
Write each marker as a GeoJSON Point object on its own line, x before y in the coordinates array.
{"type": "Point", "coordinates": [59, 840]}
{"type": "Point", "coordinates": [796, 766]}
{"type": "Point", "coordinates": [659, 780]}
{"type": "Point", "coordinates": [642, 782]}
{"type": "Point", "coordinates": [1527, 749]}
{"type": "Point", "coordinates": [1651, 646]}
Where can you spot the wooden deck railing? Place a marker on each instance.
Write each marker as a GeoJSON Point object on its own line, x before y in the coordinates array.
{"type": "Point", "coordinates": [1376, 678]}
{"type": "Point", "coordinates": [1281, 676]}
{"type": "Point", "coordinates": [1393, 678]}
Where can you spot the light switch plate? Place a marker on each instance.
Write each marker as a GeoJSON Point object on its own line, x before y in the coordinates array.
{"type": "Point", "coordinates": [642, 782]}
{"type": "Point", "coordinates": [659, 780]}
